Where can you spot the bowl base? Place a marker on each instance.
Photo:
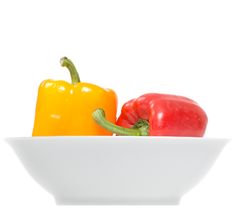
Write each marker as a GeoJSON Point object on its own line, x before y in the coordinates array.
{"type": "Point", "coordinates": [69, 201]}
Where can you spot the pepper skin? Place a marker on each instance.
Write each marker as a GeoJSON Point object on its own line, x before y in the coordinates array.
{"type": "Point", "coordinates": [158, 115]}
{"type": "Point", "coordinates": [65, 109]}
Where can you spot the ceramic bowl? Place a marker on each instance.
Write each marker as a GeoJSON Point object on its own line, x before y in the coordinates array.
{"type": "Point", "coordinates": [117, 170]}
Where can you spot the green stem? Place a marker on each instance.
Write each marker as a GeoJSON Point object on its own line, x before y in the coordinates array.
{"type": "Point", "coordinates": [66, 62]}
{"type": "Point", "coordinates": [99, 117]}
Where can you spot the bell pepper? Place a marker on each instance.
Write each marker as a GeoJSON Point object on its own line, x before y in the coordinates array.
{"type": "Point", "coordinates": [157, 115]}
{"type": "Point", "coordinates": [66, 109]}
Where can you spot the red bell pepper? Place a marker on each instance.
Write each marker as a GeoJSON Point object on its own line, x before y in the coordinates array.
{"type": "Point", "coordinates": [157, 115]}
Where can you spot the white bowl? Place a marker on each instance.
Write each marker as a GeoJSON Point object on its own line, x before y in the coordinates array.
{"type": "Point", "coordinates": [117, 170]}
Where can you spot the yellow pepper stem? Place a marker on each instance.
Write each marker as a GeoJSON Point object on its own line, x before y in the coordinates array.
{"type": "Point", "coordinates": [139, 130]}
{"type": "Point", "coordinates": [66, 62]}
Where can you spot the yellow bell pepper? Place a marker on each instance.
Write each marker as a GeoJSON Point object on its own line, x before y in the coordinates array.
{"type": "Point", "coordinates": [66, 109]}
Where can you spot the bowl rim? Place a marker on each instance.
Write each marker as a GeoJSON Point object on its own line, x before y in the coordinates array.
{"type": "Point", "coordinates": [120, 139]}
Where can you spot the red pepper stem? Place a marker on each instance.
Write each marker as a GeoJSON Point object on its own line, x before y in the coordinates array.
{"type": "Point", "coordinates": [99, 116]}
{"type": "Point", "coordinates": [66, 62]}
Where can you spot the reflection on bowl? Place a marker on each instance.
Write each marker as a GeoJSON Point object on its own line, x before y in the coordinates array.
{"type": "Point", "coordinates": [117, 170]}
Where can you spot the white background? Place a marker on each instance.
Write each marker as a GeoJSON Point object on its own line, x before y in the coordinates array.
{"type": "Point", "coordinates": [179, 47]}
